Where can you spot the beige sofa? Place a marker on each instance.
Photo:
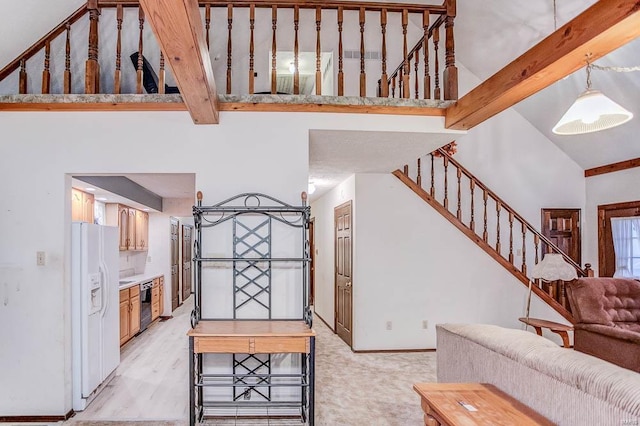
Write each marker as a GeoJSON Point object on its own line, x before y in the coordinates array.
{"type": "Point", "coordinates": [566, 386]}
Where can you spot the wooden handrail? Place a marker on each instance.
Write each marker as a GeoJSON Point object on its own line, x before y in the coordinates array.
{"type": "Point", "coordinates": [510, 210]}
{"type": "Point", "coordinates": [38, 45]}
{"type": "Point", "coordinates": [416, 47]}
{"type": "Point", "coordinates": [306, 4]}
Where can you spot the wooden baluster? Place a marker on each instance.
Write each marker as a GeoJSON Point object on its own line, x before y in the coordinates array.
{"type": "Point", "coordinates": [405, 170]}
{"type": "Point", "coordinates": [363, 76]}
{"type": "Point", "coordinates": [296, 62]}
{"type": "Point", "coordinates": [450, 71]}
{"type": "Point", "coordinates": [274, 63]}
{"type": "Point", "coordinates": [427, 77]}
{"type": "Point", "coordinates": [384, 79]}
{"type": "Point", "coordinates": [405, 56]}
{"type": "Point", "coordinates": [416, 55]}
{"type": "Point", "coordinates": [485, 234]}
{"type": "Point", "coordinates": [524, 249]}
{"type": "Point", "coordinates": [67, 61]}
{"type": "Point", "coordinates": [252, 22]}
{"type": "Point", "coordinates": [510, 237]}
{"type": "Point", "coordinates": [22, 85]}
{"type": "Point", "coordinates": [46, 75]}
{"type": "Point", "coordinates": [140, 69]}
{"type": "Point", "coordinates": [436, 63]}
{"type": "Point", "coordinates": [419, 177]}
{"type": "Point", "coordinates": [498, 208]}
{"type": "Point", "coordinates": [340, 72]}
{"type": "Point", "coordinates": [459, 212]}
{"type": "Point", "coordinates": [92, 68]}
{"type": "Point", "coordinates": [379, 92]}
{"type": "Point", "coordinates": [117, 83]}
{"type": "Point", "coordinates": [536, 243]}
{"type": "Point", "coordinates": [400, 85]}
{"type": "Point", "coordinates": [432, 191]}
{"type": "Point", "coordinates": [472, 223]}
{"type": "Point", "coordinates": [229, 45]}
{"type": "Point", "coordinates": [161, 76]}
{"type": "Point", "coordinates": [588, 270]}
{"type": "Point", "coordinates": [207, 23]}
{"type": "Point", "coordinates": [393, 86]}
{"type": "Point", "coordinates": [446, 183]}
{"type": "Point", "coordinates": [318, 51]}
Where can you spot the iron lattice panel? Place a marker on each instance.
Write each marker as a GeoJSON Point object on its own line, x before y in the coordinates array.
{"type": "Point", "coordinates": [252, 277]}
{"type": "Point", "coordinates": [252, 370]}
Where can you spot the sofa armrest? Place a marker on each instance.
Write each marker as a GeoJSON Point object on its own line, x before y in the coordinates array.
{"type": "Point", "coordinates": [622, 352]}
{"type": "Point", "coordinates": [616, 332]}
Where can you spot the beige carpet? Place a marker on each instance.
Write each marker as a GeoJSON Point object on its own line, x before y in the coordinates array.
{"type": "Point", "coordinates": [351, 389]}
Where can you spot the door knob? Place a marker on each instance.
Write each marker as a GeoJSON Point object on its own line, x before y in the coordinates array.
{"type": "Point", "coordinates": [348, 284]}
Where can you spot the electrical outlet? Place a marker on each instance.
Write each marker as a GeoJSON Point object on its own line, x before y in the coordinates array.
{"type": "Point", "coordinates": [519, 252]}
{"type": "Point", "coordinates": [425, 324]}
{"type": "Point", "coordinates": [40, 258]}
{"type": "Point", "coordinates": [148, 259]}
{"type": "Point", "coordinates": [389, 325]}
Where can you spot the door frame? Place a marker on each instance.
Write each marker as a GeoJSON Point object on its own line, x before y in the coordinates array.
{"type": "Point", "coordinates": [182, 261]}
{"type": "Point", "coordinates": [335, 269]}
{"type": "Point", "coordinates": [606, 258]}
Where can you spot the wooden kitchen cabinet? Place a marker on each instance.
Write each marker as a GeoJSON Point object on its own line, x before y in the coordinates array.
{"type": "Point", "coordinates": [161, 294]}
{"type": "Point", "coordinates": [155, 299]}
{"type": "Point", "coordinates": [131, 230]}
{"type": "Point", "coordinates": [134, 324]}
{"type": "Point", "coordinates": [133, 225]}
{"type": "Point", "coordinates": [124, 316]}
{"type": "Point", "coordinates": [129, 313]}
{"type": "Point", "coordinates": [142, 230]}
{"type": "Point", "coordinates": [81, 206]}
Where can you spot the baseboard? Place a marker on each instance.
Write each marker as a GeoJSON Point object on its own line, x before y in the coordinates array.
{"type": "Point", "coordinates": [325, 323]}
{"type": "Point", "coordinates": [34, 419]}
{"type": "Point", "coordinates": [392, 351]}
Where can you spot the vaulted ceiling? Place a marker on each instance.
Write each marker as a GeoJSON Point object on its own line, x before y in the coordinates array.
{"type": "Point", "coordinates": [489, 35]}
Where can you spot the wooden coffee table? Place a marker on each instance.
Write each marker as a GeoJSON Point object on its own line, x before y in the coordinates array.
{"type": "Point", "coordinates": [465, 404]}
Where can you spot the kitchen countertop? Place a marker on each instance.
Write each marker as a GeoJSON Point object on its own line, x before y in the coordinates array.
{"type": "Point", "coordinates": [137, 279]}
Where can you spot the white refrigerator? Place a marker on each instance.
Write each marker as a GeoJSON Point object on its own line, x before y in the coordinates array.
{"type": "Point", "coordinates": [95, 308]}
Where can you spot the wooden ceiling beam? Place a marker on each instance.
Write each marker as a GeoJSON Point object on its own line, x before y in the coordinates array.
{"type": "Point", "coordinates": [178, 27]}
{"type": "Point", "coordinates": [600, 29]}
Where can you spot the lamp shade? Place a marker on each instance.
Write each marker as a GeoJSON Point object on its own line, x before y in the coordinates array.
{"type": "Point", "coordinates": [591, 112]}
{"type": "Point", "coordinates": [553, 267]}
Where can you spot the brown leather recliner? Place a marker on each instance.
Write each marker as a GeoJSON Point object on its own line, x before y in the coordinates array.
{"type": "Point", "coordinates": [607, 314]}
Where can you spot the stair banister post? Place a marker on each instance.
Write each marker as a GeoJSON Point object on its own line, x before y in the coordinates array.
{"type": "Point", "coordinates": [92, 68]}
{"type": "Point", "coordinates": [450, 75]}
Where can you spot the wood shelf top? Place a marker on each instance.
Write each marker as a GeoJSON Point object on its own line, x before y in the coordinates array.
{"type": "Point", "coordinates": [251, 328]}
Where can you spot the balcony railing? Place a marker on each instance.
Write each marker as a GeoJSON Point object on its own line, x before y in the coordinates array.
{"type": "Point", "coordinates": [340, 48]}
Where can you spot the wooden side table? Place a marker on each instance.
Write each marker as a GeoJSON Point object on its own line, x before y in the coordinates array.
{"type": "Point", "coordinates": [559, 329]}
{"type": "Point", "coordinates": [465, 404]}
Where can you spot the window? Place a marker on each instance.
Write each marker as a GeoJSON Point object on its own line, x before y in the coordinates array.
{"type": "Point", "coordinates": [626, 244]}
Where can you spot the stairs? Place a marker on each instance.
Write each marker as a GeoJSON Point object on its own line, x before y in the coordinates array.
{"type": "Point", "coordinates": [488, 221]}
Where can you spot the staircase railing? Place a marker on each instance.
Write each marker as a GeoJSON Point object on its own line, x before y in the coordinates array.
{"type": "Point", "coordinates": [249, 41]}
{"type": "Point", "coordinates": [489, 221]}
{"type": "Point", "coordinates": [412, 78]}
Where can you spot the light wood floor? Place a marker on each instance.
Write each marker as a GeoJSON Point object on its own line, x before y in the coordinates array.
{"type": "Point", "coordinates": [151, 383]}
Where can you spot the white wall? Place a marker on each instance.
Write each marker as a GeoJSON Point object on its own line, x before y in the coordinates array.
{"type": "Point", "coordinates": [516, 161]}
{"type": "Point", "coordinates": [322, 210]}
{"type": "Point", "coordinates": [262, 152]}
{"type": "Point", "coordinates": [609, 188]}
{"type": "Point", "coordinates": [413, 265]}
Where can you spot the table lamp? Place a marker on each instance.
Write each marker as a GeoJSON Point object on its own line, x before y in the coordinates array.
{"type": "Point", "coordinates": [552, 267]}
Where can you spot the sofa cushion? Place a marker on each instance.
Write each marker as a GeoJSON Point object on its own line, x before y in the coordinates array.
{"type": "Point", "coordinates": [605, 301]}
{"type": "Point", "coordinates": [619, 332]}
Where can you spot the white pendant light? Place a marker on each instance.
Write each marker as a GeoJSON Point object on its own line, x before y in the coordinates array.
{"type": "Point", "coordinates": [591, 112]}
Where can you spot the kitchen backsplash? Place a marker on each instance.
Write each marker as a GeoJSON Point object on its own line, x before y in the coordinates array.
{"type": "Point", "coordinates": [133, 260]}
